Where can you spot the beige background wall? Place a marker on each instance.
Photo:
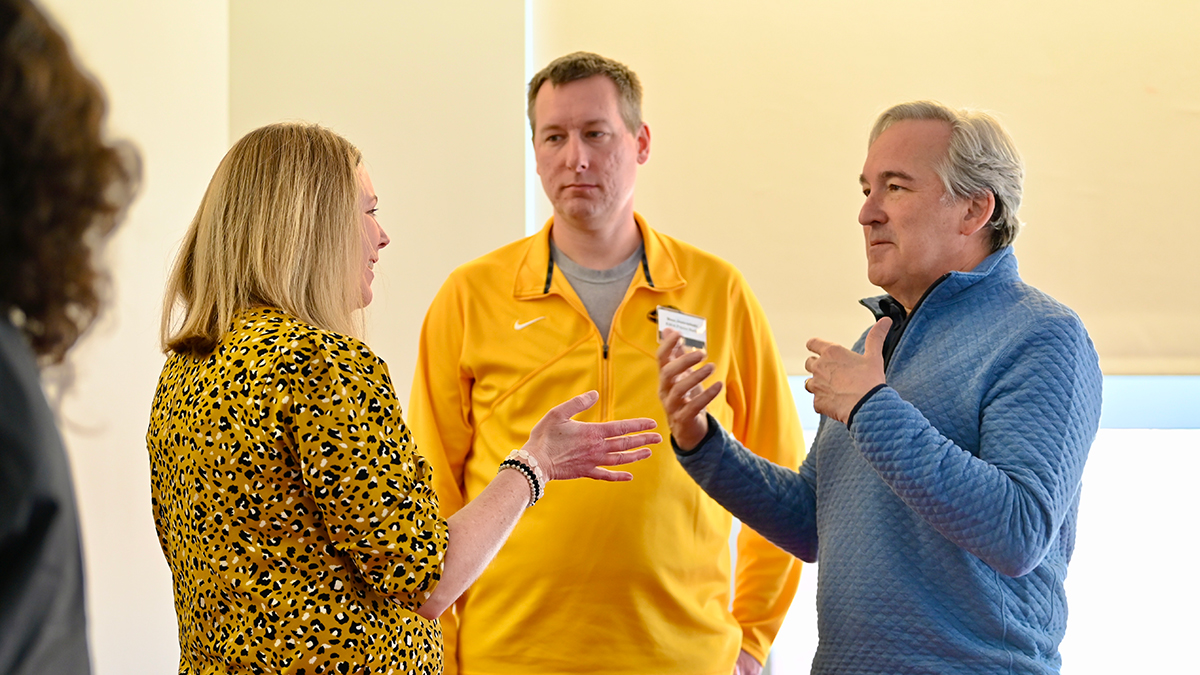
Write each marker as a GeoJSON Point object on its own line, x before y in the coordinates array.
{"type": "Point", "coordinates": [432, 95]}
{"type": "Point", "coordinates": [165, 68]}
{"type": "Point", "coordinates": [759, 112]}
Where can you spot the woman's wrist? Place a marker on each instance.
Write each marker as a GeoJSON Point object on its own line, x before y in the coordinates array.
{"type": "Point", "coordinates": [538, 457]}
{"type": "Point", "coordinates": [528, 466]}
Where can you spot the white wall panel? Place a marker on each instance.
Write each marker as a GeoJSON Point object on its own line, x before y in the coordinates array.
{"type": "Point", "coordinates": [164, 66]}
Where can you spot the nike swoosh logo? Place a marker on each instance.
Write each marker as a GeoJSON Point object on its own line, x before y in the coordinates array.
{"type": "Point", "coordinates": [518, 325]}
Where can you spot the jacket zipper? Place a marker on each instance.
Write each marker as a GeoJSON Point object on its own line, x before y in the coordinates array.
{"type": "Point", "coordinates": [606, 379]}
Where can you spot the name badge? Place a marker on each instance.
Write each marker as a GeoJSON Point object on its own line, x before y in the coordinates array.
{"type": "Point", "coordinates": [693, 329]}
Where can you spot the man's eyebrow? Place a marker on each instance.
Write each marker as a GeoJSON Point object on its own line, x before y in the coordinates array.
{"type": "Point", "coordinates": [886, 176]}
{"type": "Point", "coordinates": [544, 130]}
{"type": "Point", "coordinates": [586, 123]}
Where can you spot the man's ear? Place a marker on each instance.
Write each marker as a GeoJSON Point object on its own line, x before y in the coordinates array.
{"type": "Point", "coordinates": [979, 211]}
{"type": "Point", "coordinates": [643, 144]}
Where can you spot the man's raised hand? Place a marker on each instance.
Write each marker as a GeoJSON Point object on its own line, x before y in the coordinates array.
{"type": "Point", "coordinates": [679, 388]}
{"type": "Point", "coordinates": [840, 377]}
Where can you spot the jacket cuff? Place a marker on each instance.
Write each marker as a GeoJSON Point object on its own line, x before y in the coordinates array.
{"type": "Point", "coordinates": [861, 401]}
{"type": "Point", "coordinates": [712, 431]}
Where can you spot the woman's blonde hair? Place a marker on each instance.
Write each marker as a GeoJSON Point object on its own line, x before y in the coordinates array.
{"type": "Point", "coordinates": [278, 227]}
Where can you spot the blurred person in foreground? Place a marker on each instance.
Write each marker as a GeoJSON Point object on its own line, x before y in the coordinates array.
{"type": "Point", "coordinates": [63, 189]}
{"type": "Point", "coordinates": [642, 584]}
{"type": "Point", "coordinates": [941, 493]}
{"type": "Point", "coordinates": [298, 520]}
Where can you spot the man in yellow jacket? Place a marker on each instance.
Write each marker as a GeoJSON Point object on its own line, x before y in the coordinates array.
{"type": "Point", "coordinates": [628, 580]}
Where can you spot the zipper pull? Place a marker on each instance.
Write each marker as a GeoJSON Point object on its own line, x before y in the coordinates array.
{"type": "Point", "coordinates": [606, 350]}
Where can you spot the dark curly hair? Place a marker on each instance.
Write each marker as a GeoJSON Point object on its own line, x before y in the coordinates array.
{"type": "Point", "coordinates": [63, 189]}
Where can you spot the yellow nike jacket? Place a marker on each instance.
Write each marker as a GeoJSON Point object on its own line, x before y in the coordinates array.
{"type": "Point", "coordinates": [599, 577]}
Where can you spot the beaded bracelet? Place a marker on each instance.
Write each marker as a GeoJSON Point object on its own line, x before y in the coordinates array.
{"type": "Point", "coordinates": [530, 461]}
{"type": "Point", "coordinates": [534, 488]}
{"type": "Point", "coordinates": [527, 465]}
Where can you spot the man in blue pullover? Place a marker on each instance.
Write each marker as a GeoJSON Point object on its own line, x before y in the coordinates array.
{"type": "Point", "coordinates": [941, 494]}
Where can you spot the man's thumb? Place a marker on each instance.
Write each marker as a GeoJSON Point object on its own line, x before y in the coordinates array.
{"type": "Point", "coordinates": [877, 336]}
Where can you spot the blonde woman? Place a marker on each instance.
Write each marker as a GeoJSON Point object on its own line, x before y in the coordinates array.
{"type": "Point", "coordinates": [297, 518]}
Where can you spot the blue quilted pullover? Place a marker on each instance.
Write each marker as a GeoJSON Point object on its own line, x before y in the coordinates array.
{"type": "Point", "coordinates": [943, 519]}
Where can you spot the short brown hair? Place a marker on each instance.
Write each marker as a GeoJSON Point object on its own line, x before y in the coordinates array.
{"type": "Point", "coordinates": [582, 65]}
{"type": "Point", "coordinates": [63, 189]}
{"type": "Point", "coordinates": [277, 227]}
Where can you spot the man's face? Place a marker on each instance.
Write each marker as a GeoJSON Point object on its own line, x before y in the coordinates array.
{"type": "Point", "coordinates": [586, 156]}
{"type": "Point", "coordinates": [913, 233]}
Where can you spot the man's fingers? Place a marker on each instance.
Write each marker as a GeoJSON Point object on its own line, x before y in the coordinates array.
{"type": "Point", "coordinates": [686, 384]}
{"type": "Point", "coordinates": [681, 385]}
{"type": "Point", "coordinates": [665, 352]}
{"type": "Point", "coordinates": [822, 408]}
{"type": "Point", "coordinates": [676, 366]}
{"type": "Point", "coordinates": [695, 405]}
{"type": "Point", "coordinates": [817, 345]}
{"type": "Point", "coordinates": [709, 394]}
{"type": "Point", "coordinates": [677, 378]}
{"type": "Point", "coordinates": [876, 337]}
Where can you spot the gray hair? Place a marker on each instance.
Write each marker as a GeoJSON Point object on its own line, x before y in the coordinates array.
{"type": "Point", "coordinates": [982, 158]}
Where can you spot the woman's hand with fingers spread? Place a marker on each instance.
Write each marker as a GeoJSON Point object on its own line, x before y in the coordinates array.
{"type": "Point", "coordinates": [565, 448]}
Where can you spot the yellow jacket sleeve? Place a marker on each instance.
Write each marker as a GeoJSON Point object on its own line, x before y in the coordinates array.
{"type": "Point", "coordinates": [439, 407]}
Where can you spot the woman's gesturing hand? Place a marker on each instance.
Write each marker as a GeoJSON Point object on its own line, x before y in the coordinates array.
{"type": "Point", "coordinates": [566, 448]}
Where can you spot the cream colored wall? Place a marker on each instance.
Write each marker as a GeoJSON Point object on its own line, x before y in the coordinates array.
{"type": "Point", "coordinates": [759, 113]}
{"type": "Point", "coordinates": [164, 66]}
{"type": "Point", "coordinates": [432, 94]}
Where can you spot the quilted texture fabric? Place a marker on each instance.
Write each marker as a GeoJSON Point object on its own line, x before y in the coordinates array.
{"type": "Point", "coordinates": [945, 518]}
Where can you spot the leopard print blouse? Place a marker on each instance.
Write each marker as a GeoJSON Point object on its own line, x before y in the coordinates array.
{"type": "Point", "coordinates": [298, 520]}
